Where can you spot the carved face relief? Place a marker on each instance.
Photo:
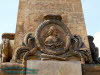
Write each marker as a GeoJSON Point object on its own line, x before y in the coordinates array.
{"type": "Point", "coordinates": [53, 40]}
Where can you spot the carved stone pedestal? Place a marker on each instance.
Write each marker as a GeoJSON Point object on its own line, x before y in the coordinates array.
{"type": "Point", "coordinates": [54, 67]}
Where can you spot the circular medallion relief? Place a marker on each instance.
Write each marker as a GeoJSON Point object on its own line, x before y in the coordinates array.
{"type": "Point", "coordinates": [53, 37]}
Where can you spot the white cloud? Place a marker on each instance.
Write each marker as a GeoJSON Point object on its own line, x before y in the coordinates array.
{"type": "Point", "coordinates": [97, 40]}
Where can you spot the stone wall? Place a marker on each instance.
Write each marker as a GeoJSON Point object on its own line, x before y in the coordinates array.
{"type": "Point", "coordinates": [31, 13]}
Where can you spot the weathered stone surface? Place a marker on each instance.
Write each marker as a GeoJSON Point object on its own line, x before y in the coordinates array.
{"type": "Point", "coordinates": [91, 69]}
{"type": "Point", "coordinates": [0, 53]}
{"type": "Point", "coordinates": [11, 69]}
{"type": "Point", "coordinates": [55, 67]}
{"type": "Point", "coordinates": [31, 13]}
{"type": "Point", "coordinates": [9, 36]}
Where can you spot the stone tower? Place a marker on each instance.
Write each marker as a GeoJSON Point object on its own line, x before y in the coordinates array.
{"type": "Point", "coordinates": [32, 12]}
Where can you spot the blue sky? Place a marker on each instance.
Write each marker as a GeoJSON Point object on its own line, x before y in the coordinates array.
{"type": "Point", "coordinates": [91, 8]}
{"type": "Point", "coordinates": [8, 15]}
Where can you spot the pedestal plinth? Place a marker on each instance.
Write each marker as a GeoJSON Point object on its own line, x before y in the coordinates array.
{"type": "Point", "coordinates": [54, 67]}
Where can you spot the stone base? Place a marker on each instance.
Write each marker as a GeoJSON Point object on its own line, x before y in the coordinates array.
{"type": "Point", "coordinates": [91, 69]}
{"type": "Point", "coordinates": [11, 69]}
{"type": "Point", "coordinates": [54, 67]}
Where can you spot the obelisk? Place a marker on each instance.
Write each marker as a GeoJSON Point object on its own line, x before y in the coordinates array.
{"type": "Point", "coordinates": [31, 13]}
